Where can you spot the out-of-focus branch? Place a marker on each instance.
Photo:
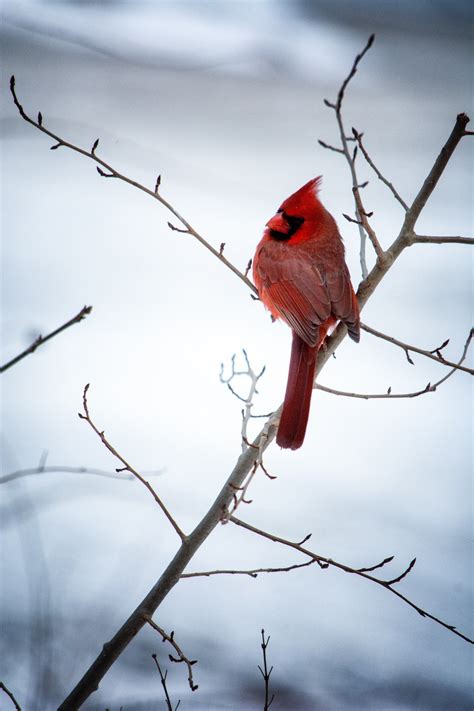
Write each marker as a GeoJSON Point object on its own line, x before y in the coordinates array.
{"type": "Point", "coordinates": [10, 695]}
{"type": "Point", "coordinates": [181, 656]}
{"type": "Point", "coordinates": [126, 466]}
{"type": "Point", "coordinates": [107, 171]}
{"type": "Point", "coordinates": [251, 573]}
{"type": "Point", "coordinates": [85, 311]}
{"type": "Point", "coordinates": [361, 572]}
{"type": "Point", "coordinates": [266, 672]}
{"type": "Point", "coordinates": [407, 347]}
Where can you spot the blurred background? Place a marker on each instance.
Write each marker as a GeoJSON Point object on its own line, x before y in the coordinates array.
{"type": "Point", "coordinates": [225, 100]}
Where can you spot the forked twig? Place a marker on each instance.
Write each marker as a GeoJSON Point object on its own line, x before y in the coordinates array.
{"type": "Point", "coordinates": [438, 358]}
{"type": "Point", "coordinates": [85, 311]}
{"type": "Point", "coordinates": [181, 656]}
{"type": "Point", "coordinates": [361, 572]}
{"type": "Point", "coordinates": [163, 678]}
{"type": "Point", "coordinates": [126, 466]}
{"type": "Point", "coordinates": [266, 672]}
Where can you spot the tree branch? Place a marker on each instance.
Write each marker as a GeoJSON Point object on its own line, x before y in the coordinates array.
{"type": "Point", "coordinates": [10, 695]}
{"type": "Point", "coordinates": [426, 239]}
{"type": "Point", "coordinates": [265, 672]}
{"type": "Point", "coordinates": [85, 311]}
{"type": "Point", "coordinates": [358, 138]}
{"type": "Point", "coordinates": [361, 572]}
{"type": "Point", "coordinates": [181, 656]}
{"type": "Point", "coordinates": [126, 465]}
{"type": "Point", "coordinates": [438, 358]}
{"type": "Point", "coordinates": [413, 213]}
{"type": "Point", "coordinates": [113, 173]}
{"type": "Point", "coordinates": [163, 677]}
{"type": "Point", "coordinates": [429, 388]}
{"type": "Point", "coordinates": [251, 573]}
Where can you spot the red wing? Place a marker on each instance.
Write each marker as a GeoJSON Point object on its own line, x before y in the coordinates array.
{"type": "Point", "coordinates": [301, 295]}
{"type": "Point", "coordinates": [296, 291]}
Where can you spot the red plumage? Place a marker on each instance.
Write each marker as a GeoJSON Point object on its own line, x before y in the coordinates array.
{"type": "Point", "coordinates": [302, 277]}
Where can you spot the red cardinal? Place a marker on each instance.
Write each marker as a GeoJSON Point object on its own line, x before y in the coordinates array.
{"type": "Point", "coordinates": [302, 277]}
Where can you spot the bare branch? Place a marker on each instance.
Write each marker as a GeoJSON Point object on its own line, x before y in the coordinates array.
{"type": "Point", "coordinates": [85, 311]}
{"type": "Point", "coordinates": [329, 562]}
{"type": "Point", "coordinates": [352, 72]}
{"type": "Point", "coordinates": [181, 656]}
{"type": "Point", "coordinates": [265, 672]}
{"type": "Point", "coordinates": [163, 683]}
{"type": "Point", "coordinates": [10, 695]}
{"type": "Point", "coordinates": [407, 347]}
{"type": "Point", "coordinates": [427, 239]}
{"type": "Point", "coordinates": [435, 173]}
{"type": "Point", "coordinates": [429, 388]}
{"type": "Point", "coordinates": [251, 573]}
{"type": "Point", "coordinates": [126, 465]}
{"type": "Point", "coordinates": [247, 399]}
{"type": "Point", "coordinates": [113, 173]}
{"type": "Point", "coordinates": [361, 214]}
{"type": "Point", "coordinates": [358, 138]}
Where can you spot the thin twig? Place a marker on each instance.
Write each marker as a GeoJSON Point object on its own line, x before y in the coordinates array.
{"type": "Point", "coordinates": [358, 138]}
{"type": "Point", "coordinates": [265, 672]}
{"type": "Point", "coordinates": [251, 573]}
{"type": "Point", "coordinates": [181, 656]}
{"type": "Point", "coordinates": [361, 213]}
{"type": "Point", "coordinates": [434, 239]}
{"type": "Point", "coordinates": [113, 173]}
{"type": "Point", "coordinates": [10, 695]}
{"type": "Point", "coordinates": [126, 465]}
{"type": "Point", "coordinates": [60, 469]}
{"type": "Point", "coordinates": [329, 562]}
{"type": "Point", "coordinates": [163, 683]}
{"type": "Point", "coordinates": [408, 347]}
{"type": "Point", "coordinates": [85, 311]}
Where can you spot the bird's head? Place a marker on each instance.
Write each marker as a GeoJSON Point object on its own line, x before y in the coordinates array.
{"type": "Point", "coordinates": [303, 205]}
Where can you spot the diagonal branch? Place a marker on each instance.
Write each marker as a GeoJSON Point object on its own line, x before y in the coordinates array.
{"type": "Point", "coordinates": [126, 466]}
{"type": "Point", "coordinates": [407, 347]}
{"type": "Point", "coordinates": [85, 311]}
{"type": "Point", "coordinates": [413, 213]}
{"type": "Point", "coordinates": [181, 656]}
{"type": "Point", "coordinates": [429, 388]}
{"type": "Point", "coordinates": [113, 173]}
{"type": "Point", "coordinates": [10, 695]}
{"type": "Point", "coordinates": [390, 186]}
{"type": "Point", "coordinates": [361, 572]}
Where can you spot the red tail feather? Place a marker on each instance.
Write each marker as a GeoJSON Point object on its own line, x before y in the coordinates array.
{"type": "Point", "coordinates": [295, 413]}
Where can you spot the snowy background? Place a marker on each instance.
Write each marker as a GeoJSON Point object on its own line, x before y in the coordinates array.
{"type": "Point", "coordinates": [225, 100]}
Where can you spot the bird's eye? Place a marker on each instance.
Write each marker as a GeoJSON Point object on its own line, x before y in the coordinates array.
{"type": "Point", "coordinates": [279, 211]}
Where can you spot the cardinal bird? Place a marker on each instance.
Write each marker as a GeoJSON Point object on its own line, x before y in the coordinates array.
{"type": "Point", "coordinates": [302, 277]}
